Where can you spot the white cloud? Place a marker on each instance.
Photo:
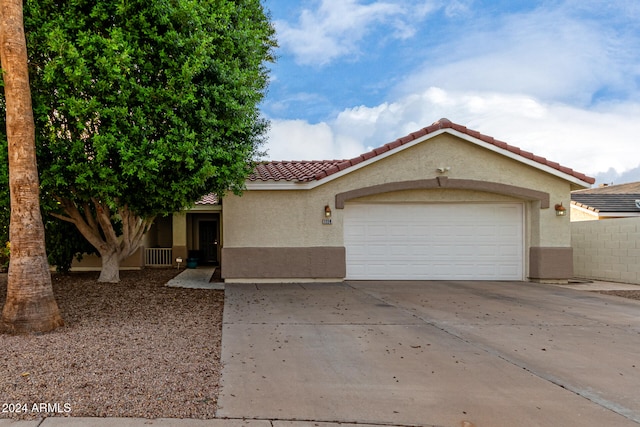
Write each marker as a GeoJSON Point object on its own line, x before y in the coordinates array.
{"type": "Point", "coordinates": [331, 31]}
{"type": "Point", "coordinates": [299, 140]}
{"type": "Point", "coordinates": [336, 28]}
{"type": "Point", "coordinates": [299, 98]}
{"type": "Point", "coordinates": [456, 7]}
{"type": "Point", "coordinates": [545, 52]}
{"type": "Point", "coordinates": [587, 141]}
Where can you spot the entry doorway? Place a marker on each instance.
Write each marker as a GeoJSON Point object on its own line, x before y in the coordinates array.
{"type": "Point", "coordinates": [209, 242]}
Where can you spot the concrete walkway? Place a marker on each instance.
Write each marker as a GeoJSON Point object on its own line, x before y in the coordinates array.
{"type": "Point", "coordinates": [196, 278]}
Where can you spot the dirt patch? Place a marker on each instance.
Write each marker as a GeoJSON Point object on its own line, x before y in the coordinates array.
{"type": "Point", "coordinates": [132, 349]}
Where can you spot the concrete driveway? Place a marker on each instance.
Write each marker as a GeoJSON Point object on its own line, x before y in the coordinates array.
{"type": "Point", "coordinates": [430, 354]}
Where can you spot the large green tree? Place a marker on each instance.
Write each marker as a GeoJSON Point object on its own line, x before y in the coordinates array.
{"type": "Point", "coordinates": [141, 107]}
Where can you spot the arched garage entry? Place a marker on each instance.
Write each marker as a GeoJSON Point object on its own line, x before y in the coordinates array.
{"type": "Point", "coordinates": [436, 241]}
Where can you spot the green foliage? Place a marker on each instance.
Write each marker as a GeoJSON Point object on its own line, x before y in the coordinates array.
{"type": "Point", "coordinates": [64, 243]}
{"type": "Point", "coordinates": [147, 104]}
{"type": "Point", "coordinates": [5, 255]}
{"type": "Point", "coordinates": [63, 240]}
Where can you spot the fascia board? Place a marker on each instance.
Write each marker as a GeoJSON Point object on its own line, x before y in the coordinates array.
{"type": "Point", "coordinates": [275, 185]}
{"type": "Point", "coordinates": [619, 214]}
{"type": "Point", "coordinates": [205, 208]}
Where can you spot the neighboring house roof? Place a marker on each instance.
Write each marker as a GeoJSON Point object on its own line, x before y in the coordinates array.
{"type": "Point", "coordinates": [610, 200]}
{"type": "Point", "coordinates": [306, 171]}
{"type": "Point", "coordinates": [607, 202]}
{"type": "Point", "coordinates": [629, 188]}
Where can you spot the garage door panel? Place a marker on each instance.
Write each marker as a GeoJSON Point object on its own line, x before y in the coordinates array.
{"type": "Point", "coordinates": [375, 231]}
{"type": "Point", "coordinates": [398, 230]}
{"type": "Point", "coordinates": [358, 252]}
{"type": "Point", "coordinates": [358, 270]}
{"type": "Point", "coordinates": [422, 230]}
{"type": "Point", "coordinates": [434, 241]}
{"type": "Point", "coordinates": [507, 251]}
{"type": "Point", "coordinates": [509, 269]}
{"type": "Point", "coordinates": [355, 230]}
{"type": "Point", "coordinates": [464, 251]}
{"type": "Point", "coordinates": [404, 251]}
{"type": "Point", "coordinates": [376, 250]}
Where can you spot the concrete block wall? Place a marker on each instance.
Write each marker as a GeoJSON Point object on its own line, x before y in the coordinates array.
{"type": "Point", "coordinates": [607, 249]}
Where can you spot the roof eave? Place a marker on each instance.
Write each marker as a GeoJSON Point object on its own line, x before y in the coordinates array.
{"type": "Point", "coordinates": [618, 214]}
{"type": "Point", "coordinates": [278, 185]}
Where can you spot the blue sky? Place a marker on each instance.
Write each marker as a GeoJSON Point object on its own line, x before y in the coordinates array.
{"type": "Point", "coordinates": [558, 78]}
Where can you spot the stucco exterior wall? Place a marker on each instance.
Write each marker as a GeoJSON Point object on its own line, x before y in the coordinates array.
{"type": "Point", "coordinates": [294, 218]}
{"type": "Point", "coordinates": [164, 235]}
{"type": "Point", "coordinates": [94, 262]}
{"type": "Point", "coordinates": [179, 224]}
{"type": "Point", "coordinates": [607, 250]}
{"type": "Point", "coordinates": [580, 215]}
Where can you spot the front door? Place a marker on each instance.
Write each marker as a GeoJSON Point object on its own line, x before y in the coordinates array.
{"type": "Point", "coordinates": [209, 242]}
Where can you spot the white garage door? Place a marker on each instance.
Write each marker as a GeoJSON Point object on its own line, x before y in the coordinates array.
{"type": "Point", "coordinates": [434, 241]}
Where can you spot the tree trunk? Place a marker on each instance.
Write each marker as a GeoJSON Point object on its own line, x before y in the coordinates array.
{"type": "Point", "coordinates": [97, 227]}
{"type": "Point", "coordinates": [30, 305]}
{"type": "Point", "coordinates": [110, 272]}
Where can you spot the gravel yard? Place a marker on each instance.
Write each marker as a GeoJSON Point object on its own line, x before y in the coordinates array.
{"type": "Point", "coordinates": [133, 349]}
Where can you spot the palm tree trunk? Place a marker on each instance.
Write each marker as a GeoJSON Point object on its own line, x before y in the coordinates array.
{"type": "Point", "coordinates": [30, 304]}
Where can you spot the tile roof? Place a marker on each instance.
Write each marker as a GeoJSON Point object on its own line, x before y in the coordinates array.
{"type": "Point", "coordinates": [606, 202]}
{"type": "Point", "coordinates": [304, 171]}
{"type": "Point", "coordinates": [610, 198]}
{"type": "Point", "coordinates": [629, 188]}
{"type": "Point", "coordinates": [209, 199]}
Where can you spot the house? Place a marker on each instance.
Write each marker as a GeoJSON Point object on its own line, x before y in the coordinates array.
{"type": "Point", "coordinates": [607, 250]}
{"type": "Point", "coordinates": [445, 203]}
{"type": "Point", "coordinates": [606, 202]}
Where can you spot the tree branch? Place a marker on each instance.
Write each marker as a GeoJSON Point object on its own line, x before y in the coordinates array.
{"type": "Point", "coordinates": [133, 230]}
{"type": "Point", "coordinates": [103, 215]}
{"type": "Point", "coordinates": [89, 217]}
{"type": "Point", "coordinates": [91, 233]}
